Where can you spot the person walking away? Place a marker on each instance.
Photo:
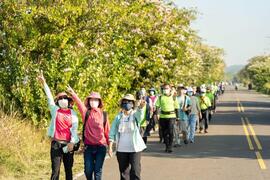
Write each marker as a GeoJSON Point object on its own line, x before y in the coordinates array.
{"type": "Point", "coordinates": [95, 133]}
{"type": "Point", "coordinates": [62, 131]}
{"type": "Point", "coordinates": [194, 115]}
{"type": "Point", "coordinates": [125, 131]}
{"type": "Point", "coordinates": [168, 112]}
{"type": "Point", "coordinates": [205, 103]}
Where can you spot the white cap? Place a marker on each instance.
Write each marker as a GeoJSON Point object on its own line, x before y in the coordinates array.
{"type": "Point", "coordinates": [189, 89]}
{"type": "Point", "coordinates": [203, 90]}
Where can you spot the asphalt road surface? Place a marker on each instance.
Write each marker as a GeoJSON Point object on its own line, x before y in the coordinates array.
{"type": "Point", "coordinates": [236, 147]}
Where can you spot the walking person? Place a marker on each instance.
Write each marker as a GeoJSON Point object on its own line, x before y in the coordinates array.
{"type": "Point", "coordinates": [153, 99]}
{"type": "Point", "coordinates": [205, 104]}
{"type": "Point", "coordinates": [145, 125]}
{"type": "Point", "coordinates": [211, 97]}
{"type": "Point", "coordinates": [184, 104]}
{"type": "Point", "coordinates": [168, 110]}
{"type": "Point", "coordinates": [95, 133]}
{"type": "Point", "coordinates": [62, 131]}
{"type": "Point", "coordinates": [125, 131]}
{"type": "Point", "coordinates": [194, 114]}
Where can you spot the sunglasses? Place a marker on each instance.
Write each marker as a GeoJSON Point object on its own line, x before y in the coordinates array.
{"type": "Point", "coordinates": [127, 101]}
{"type": "Point", "coordinates": [62, 97]}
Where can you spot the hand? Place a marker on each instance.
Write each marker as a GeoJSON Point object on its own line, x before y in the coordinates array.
{"type": "Point", "coordinates": [142, 103]}
{"type": "Point", "coordinates": [70, 146]}
{"type": "Point", "coordinates": [110, 152]}
{"type": "Point", "coordinates": [41, 78]}
{"type": "Point", "coordinates": [70, 90]}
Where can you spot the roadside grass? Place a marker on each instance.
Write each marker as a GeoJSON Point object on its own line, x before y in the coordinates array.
{"type": "Point", "coordinates": [25, 150]}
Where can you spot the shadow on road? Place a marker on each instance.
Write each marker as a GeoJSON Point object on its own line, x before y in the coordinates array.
{"type": "Point", "coordinates": [210, 146]}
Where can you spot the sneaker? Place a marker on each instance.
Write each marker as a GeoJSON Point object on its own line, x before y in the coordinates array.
{"type": "Point", "coordinates": [186, 141]}
{"type": "Point", "coordinates": [205, 131]}
{"type": "Point", "coordinates": [191, 142]}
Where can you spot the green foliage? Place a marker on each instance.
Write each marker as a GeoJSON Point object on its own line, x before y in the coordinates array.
{"type": "Point", "coordinates": [257, 72]}
{"type": "Point", "coordinates": [112, 47]}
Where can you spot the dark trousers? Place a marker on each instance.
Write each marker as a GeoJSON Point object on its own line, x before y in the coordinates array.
{"type": "Point", "coordinates": [205, 120]}
{"type": "Point", "coordinates": [167, 125]}
{"type": "Point", "coordinates": [57, 155]}
{"type": "Point", "coordinates": [94, 157]}
{"type": "Point", "coordinates": [129, 165]}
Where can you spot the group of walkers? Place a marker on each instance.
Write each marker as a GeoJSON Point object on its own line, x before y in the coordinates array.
{"type": "Point", "coordinates": [175, 111]}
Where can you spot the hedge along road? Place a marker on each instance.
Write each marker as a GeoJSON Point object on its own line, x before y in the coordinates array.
{"type": "Point", "coordinates": [236, 147]}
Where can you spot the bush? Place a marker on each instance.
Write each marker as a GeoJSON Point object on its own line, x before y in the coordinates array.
{"type": "Point", "coordinates": [113, 47]}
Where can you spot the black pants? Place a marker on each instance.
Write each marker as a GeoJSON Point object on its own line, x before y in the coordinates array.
{"type": "Point", "coordinates": [57, 155]}
{"type": "Point", "coordinates": [167, 125]}
{"type": "Point", "coordinates": [205, 120]}
{"type": "Point", "coordinates": [129, 165]}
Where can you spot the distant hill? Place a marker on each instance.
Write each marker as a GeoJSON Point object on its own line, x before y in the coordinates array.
{"type": "Point", "coordinates": [234, 69]}
{"type": "Point", "coordinates": [231, 71]}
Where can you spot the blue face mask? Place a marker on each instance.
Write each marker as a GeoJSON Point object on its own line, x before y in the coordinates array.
{"type": "Point", "coordinates": [190, 93]}
{"type": "Point", "coordinates": [127, 106]}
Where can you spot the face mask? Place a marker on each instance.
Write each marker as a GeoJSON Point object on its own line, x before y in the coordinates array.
{"type": "Point", "coordinates": [94, 103]}
{"type": "Point", "coordinates": [152, 93]}
{"type": "Point", "coordinates": [166, 91]}
{"type": "Point", "coordinates": [127, 106]}
{"type": "Point", "coordinates": [63, 103]}
{"type": "Point", "coordinates": [190, 93]}
{"type": "Point", "coordinates": [203, 94]}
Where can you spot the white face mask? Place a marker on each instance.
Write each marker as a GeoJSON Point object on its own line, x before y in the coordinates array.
{"type": "Point", "coordinates": [152, 93]}
{"type": "Point", "coordinates": [63, 103]}
{"type": "Point", "coordinates": [94, 103]}
{"type": "Point", "coordinates": [166, 91]}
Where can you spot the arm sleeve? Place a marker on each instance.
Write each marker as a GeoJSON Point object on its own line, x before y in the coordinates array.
{"type": "Point", "coordinates": [139, 115]}
{"type": "Point", "coordinates": [74, 128]}
{"type": "Point", "coordinates": [48, 93]}
{"type": "Point", "coordinates": [107, 129]}
{"type": "Point", "coordinates": [176, 105]}
{"type": "Point", "coordinates": [80, 105]}
{"type": "Point", "coordinates": [114, 130]}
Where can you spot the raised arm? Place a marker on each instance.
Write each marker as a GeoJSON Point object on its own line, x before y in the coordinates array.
{"type": "Point", "coordinates": [78, 102]}
{"type": "Point", "coordinates": [47, 90]}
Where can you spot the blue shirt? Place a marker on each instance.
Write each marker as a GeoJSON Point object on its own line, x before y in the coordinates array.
{"type": "Point", "coordinates": [182, 115]}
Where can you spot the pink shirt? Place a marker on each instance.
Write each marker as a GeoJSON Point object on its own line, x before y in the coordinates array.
{"type": "Point", "coordinates": [63, 124]}
{"type": "Point", "coordinates": [96, 133]}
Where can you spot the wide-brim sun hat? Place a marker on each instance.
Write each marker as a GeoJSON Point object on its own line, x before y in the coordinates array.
{"type": "Point", "coordinates": [93, 95]}
{"type": "Point", "coordinates": [60, 95]}
{"type": "Point", "coordinates": [128, 97]}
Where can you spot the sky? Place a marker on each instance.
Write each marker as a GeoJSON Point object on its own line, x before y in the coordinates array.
{"type": "Point", "coordinates": [240, 27]}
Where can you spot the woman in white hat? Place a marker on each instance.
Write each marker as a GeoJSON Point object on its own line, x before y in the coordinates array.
{"type": "Point", "coordinates": [125, 131]}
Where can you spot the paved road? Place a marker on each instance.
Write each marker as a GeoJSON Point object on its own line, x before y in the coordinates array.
{"type": "Point", "coordinates": [236, 147]}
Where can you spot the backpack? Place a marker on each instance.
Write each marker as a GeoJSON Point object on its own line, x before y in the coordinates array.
{"type": "Point", "coordinates": [86, 118]}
